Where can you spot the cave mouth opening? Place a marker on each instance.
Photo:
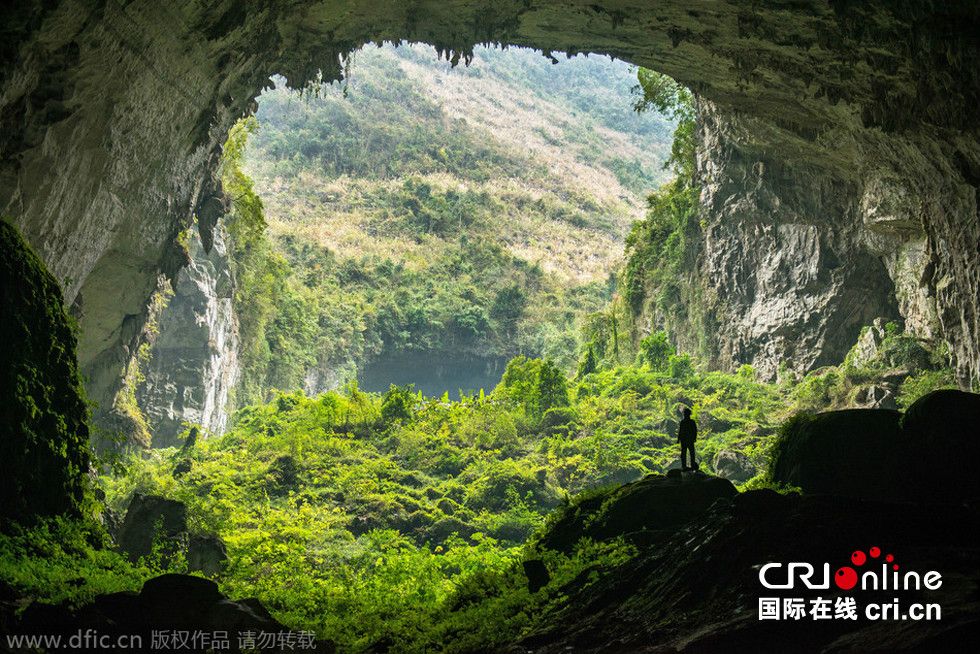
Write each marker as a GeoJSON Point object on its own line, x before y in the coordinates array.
{"type": "Point", "coordinates": [883, 118]}
{"type": "Point", "coordinates": [431, 221]}
{"type": "Point", "coordinates": [859, 109]}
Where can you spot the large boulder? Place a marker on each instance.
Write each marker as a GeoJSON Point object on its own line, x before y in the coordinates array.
{"type": "Point", "coordinates": [733, 466]}
{"type": "Point", "coordinates": [207, 554]}
{"type": "Point", "coordinates": [654, 503]}
{"type": "Point", "coordinates": [151, 518]}
{"type": "Point", "coordinates": [166, 605]}
{"type": "Point", "coordinates": [155, 521]}
{"type": "Point", "coordinates": [943, 431]}
{"type": "Point", "coordinates": [929, 454]}
{"type": "Point", "coordinates": [876, 396]}
{"type": "Point", "coordinates": [855, 452]}
{"type": "Point", "coordinates": [44, 434]}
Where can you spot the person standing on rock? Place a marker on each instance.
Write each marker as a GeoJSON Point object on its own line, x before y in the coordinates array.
{"type": "Point", "coordinates": [687, 433]}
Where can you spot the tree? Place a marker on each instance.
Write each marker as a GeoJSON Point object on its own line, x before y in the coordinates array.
{"type": "Point", "coordinates": [508, 307]}
{"type": "Point", "coordinates": [538, 385]}
{"type": "Point", "coordinates": [552, 387]}
{"type": "Point", "coordinates": [396, 405]}
{"type": "Point", "coordinates": [588, 364]}
{"type": "Point", "coordinates": [656, 350]}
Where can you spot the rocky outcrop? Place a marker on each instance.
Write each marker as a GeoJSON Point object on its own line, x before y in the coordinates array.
{"type": "Point", "coordinates": [151, 519]}
{"type": "Point", "coordinates": [854, 452]}
{"type": "Point", "coordinates": [861, 117]}
{"type": "Point", "coordinates": [655, 503]}
{"type": "Point", "coordinates": [695, 587]}
{"type": "Point", "coordinates": [44, 449]}
{"type": "Point", "coordinates": [927, 454]}
{"type": "Point", "coordinates": [157, 525]}
{"type": "Point", "coordinates": [193, 363]}
{"type": "Point", "coordinates": [171, 612]}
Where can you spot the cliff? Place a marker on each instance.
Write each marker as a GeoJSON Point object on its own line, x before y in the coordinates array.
{"type": "Point", "coordinates": [193, 363]}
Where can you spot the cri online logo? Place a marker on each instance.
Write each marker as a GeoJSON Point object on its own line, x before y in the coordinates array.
{"type": "Point", "coordinates": [873, 577]}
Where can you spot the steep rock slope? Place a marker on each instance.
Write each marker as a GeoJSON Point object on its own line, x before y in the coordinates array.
{"type": "Point", "coordinates": [694, 586]}
{"type": "Point", "coordinates": [193, 363]}
{"type": "Point", "coordinates": [782, 265]}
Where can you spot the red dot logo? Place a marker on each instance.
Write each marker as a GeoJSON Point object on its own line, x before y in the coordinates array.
{"type": "Point", "coordinates": [875, 552]}
{"type": "Point", "coordinates": [890, 558]}
{"type": "Point", "coordinates": [846, 578]}
{"type": "Point", "coordinates": [858, 558]}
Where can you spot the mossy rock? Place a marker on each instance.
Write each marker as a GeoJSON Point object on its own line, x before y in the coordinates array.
{"type": "Point", "coordinates": [44, 437]}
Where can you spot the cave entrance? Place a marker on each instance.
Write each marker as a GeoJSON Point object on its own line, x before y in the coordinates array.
{"type": "Point", "coordinates": [862, 112]}
{"type": "Point", "coordinates": [418, 223]}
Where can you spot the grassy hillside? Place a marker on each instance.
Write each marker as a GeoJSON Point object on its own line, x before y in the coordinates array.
{"type": "Point", "coordinates": [476, 210]}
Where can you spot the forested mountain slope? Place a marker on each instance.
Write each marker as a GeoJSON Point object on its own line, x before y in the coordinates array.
{"type": "Point", "coordinates": [475, 212]}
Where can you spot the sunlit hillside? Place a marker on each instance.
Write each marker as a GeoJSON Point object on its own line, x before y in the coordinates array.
{"type": "Point", "coordinates": [502, 191]}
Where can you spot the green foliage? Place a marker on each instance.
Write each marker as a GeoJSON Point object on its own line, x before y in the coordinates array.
{"type": "Point", "coordinates": [919, 366]}
{"type": "Point", "coordinates": [662, 93]}
{"type": "Point", "coordinates": [923, 382]}
{"type": "Point", "coordinates": [656, 351]}
{"type": "Point", "coordinates": [277, 315]}
{"type": "Point", "coordinates": [589, 363]}
{"type": "Point", "coordinates": [396, 228]}
{"type": "Point", "coordinates": [656, 280]}
{"type": "Point", "coordinates": [69, 560]}
{"type": "Point", "coordinates": [681, 366]}
{"type": "Point", "coordinates": [397, 405]}
{"type": "Point", "coordinates": [536, 385]}
{"type": "Point", "coordinates": [411, 513]}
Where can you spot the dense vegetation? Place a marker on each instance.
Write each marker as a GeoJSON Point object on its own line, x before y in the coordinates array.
{"type": "Point", "coordinates": [393, 507]}
{"type": "Point", "coordinates": [413, 513]}
{"type": "Point", "coordinates": [661, 248]}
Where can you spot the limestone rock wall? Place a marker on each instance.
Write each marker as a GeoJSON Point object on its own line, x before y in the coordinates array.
{"type": "Point", "coordinates": [193, 363]}
{"type": "Point", "coordinates": [112, 116]}
{"type": "Point", "coordinates": [785, 273]}
{"type": "Point", "coordinates": [795, 256]}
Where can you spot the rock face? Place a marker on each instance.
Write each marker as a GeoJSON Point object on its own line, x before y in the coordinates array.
{"type": "Point", "coordinates": [194, 359]}
{"type": "Point", "coordinates": [854, 123]}
{"type": "Point", "coordinates": [786, 277]}
{"type": "Point", "coordinates": [44, 453]}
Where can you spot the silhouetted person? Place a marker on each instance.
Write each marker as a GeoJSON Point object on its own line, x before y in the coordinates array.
{"type": "Point", "coordinates": [687, 433]}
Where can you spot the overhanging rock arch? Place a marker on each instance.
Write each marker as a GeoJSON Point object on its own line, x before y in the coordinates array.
{"type": "Point", "coordinates": [842, 158]}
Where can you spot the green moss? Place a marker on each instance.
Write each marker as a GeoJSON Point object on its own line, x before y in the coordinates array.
{"type": "Point", "coordinates": [43, 421]}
